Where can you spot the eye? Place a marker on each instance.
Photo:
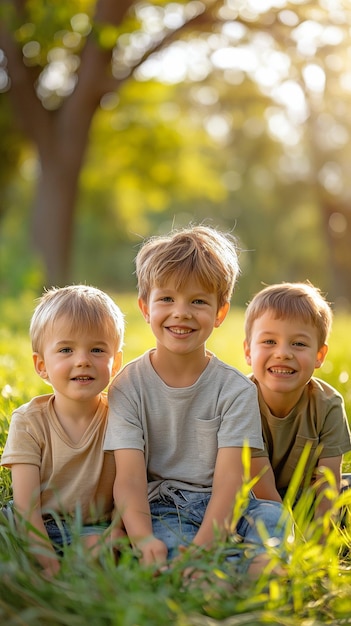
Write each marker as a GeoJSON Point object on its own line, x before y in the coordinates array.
{"type": "Point", "coordinates": [199, 301]}
{"type": "Point", "coordinates": [299, 344]}
{"type": "Point", "coordinates": [166, 299]}
{"type": "Point", "coordinates": [97, 350]}
{"type": "Point", "coordinates": [269, 342]}
{"type": "Point", "coordinates": [65, 350]}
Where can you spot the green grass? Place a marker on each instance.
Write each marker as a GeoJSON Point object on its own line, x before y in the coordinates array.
{"type": "Point", "coordinates": [315, 590]}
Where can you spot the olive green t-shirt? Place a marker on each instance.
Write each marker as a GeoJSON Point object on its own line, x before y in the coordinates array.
{"type": "Point", "coordinates": [319, 418]}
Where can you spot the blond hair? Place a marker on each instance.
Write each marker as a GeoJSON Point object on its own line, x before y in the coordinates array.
{"type": "Point", "coordinates": [85, 307]}
{"type": "Point", "coordinates": [199, 251]}
{"type": "Point", "coordinates": [291, 301]}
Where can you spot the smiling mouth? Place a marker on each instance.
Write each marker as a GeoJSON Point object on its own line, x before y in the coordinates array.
{"type": "Point", "coordinates": [82, 378]}
{"type": "Point", "coordinates": [180, 331]}
{"type": "Point", "coordinates": [281, 372]}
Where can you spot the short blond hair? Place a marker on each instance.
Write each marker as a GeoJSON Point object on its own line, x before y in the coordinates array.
{"type": "Point", "coordinates": [85, 307]}
{"type": "Point", "coordinates": [201, 252]}
{"type": "Point", "coordinates": [292, 301]}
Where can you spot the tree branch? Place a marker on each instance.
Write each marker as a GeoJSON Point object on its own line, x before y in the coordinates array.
{"type": "Point", "coordinates": [78, 109]}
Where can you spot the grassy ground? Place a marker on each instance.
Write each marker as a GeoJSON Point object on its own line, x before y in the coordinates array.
{"type": "Point", "coordinates": [314, 590]}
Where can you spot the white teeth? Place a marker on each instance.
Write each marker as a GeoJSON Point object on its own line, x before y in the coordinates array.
{"type": "Point", "coordinates": [180, 331]}
{"type": "Point", "coordinates": [278, 371]}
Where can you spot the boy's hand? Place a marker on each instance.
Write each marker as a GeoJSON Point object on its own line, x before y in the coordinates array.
{"type": "Point", "coordinates": [152, 550]}
{"type": "Point", "coordinates": [51, 569]}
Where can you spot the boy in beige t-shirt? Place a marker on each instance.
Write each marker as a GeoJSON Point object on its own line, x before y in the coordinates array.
{"type": "Point", "coordinates": [55, 442]}
{"type": "Point", "coordinates": [286, 331]}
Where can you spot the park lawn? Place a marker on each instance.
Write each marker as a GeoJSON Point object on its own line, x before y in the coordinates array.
{"type": "Point", "coordinates": [314, 589]}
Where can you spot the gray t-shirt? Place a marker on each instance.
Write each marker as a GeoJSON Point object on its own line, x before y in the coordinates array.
{"type": "Point", "coordinates": [180, 429]}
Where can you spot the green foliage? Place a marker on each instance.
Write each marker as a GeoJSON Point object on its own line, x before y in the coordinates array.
{"type": "Point", "coordinates": [20, 269]}
{"type": "Point", "coordinates": [156, 155]}
{"type": "Point", "coordinates": [161, 168]}
{"type": "Point", "coordinates": [144, 124]}
{"type": "Point", "coordinates": [46, 22]}
{"type": "Point", "coordinates": [10, 146]}
{"type": "Point", "coordinates": [314, 587]}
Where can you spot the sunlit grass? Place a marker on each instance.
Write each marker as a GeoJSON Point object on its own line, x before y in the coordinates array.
{"type": "Point", "coordinates": [315, 588]}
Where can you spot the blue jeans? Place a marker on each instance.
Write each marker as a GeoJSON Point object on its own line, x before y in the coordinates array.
{"type": "Point", "coordinates": [178, 514]}
{"type": "Point", "coordinates": [60, 531]}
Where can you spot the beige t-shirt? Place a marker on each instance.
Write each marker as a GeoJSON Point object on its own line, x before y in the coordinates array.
{"type": "Point", "coordinates": [72, 475]}
{"type": "Point", "coordinates": [319, 418]}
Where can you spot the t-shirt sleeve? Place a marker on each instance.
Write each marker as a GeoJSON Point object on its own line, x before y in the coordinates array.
{"type": "Point", "coordinates": [124, 424]}
{"type": "Point", "coordinates": [241, 422]}
{"type": "Point", "coordinates": [258, 453]}
{"type": "Point", "coordinates": [23, 443]}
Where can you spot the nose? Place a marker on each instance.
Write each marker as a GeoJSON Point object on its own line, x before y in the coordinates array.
{"type": "Point", "coordinates": [83, 358]}
{"type": "Point", "coordinates": [182, 311]}
{"type": "Point", "coordinates": [283, 352]}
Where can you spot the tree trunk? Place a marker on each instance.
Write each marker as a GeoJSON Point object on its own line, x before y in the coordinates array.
{"type": "Point", "coordinates": [53, 212]}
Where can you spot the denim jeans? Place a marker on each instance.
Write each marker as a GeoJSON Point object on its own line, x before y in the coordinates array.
{"type": "Point", "coordinates": [60, 531]}
{"type": "Point", "coordinates": [178, 514]}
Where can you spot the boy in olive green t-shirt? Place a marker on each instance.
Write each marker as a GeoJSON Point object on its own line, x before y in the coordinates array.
{"type": "Point", "coordinates": [286, 331]}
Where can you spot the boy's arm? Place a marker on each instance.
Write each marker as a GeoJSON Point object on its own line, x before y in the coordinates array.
{"type": "Point", "coordinates": [227, 481]}
{"type": "Point", "coordinates": [26, 498]}
{"type": "Point", "coordinates": [334, 465]}
{"type": "Point", "coordinates": [131, 500]}
{"type": "Point", "coordinates": [265, 488]}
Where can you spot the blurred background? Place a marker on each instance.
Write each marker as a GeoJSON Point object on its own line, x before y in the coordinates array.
{"type": "Point", "coordinates": [121, 120]}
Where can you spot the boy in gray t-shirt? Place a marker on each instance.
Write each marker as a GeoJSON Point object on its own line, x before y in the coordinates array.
{"type": "Point", "coordinates": [178, 416]}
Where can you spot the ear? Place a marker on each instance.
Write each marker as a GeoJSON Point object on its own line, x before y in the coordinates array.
{"type": "Point", "coordinates": [144, 308]}
{"type": "Point", "coordinates": [321, 354]}
{"type": "Point", "coordinates": [247, 352]}
{"type": "Point", "coordinates": [221, 314]}
{"type": "Point", "coordinates": [117, 363]}
{"type": "Point", "coordinates": [39, 365]}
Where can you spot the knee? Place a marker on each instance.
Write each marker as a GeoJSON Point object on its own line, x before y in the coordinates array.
{"type": "Point", "coordinates": [270, 512]}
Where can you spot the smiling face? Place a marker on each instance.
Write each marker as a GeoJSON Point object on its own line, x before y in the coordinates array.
{"type": "Point", "coordinates": [283, 353]}
{"type": "Point", "coordinates": [78, 364]}
{"type": "Point", "coordinates": [182, 319]}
